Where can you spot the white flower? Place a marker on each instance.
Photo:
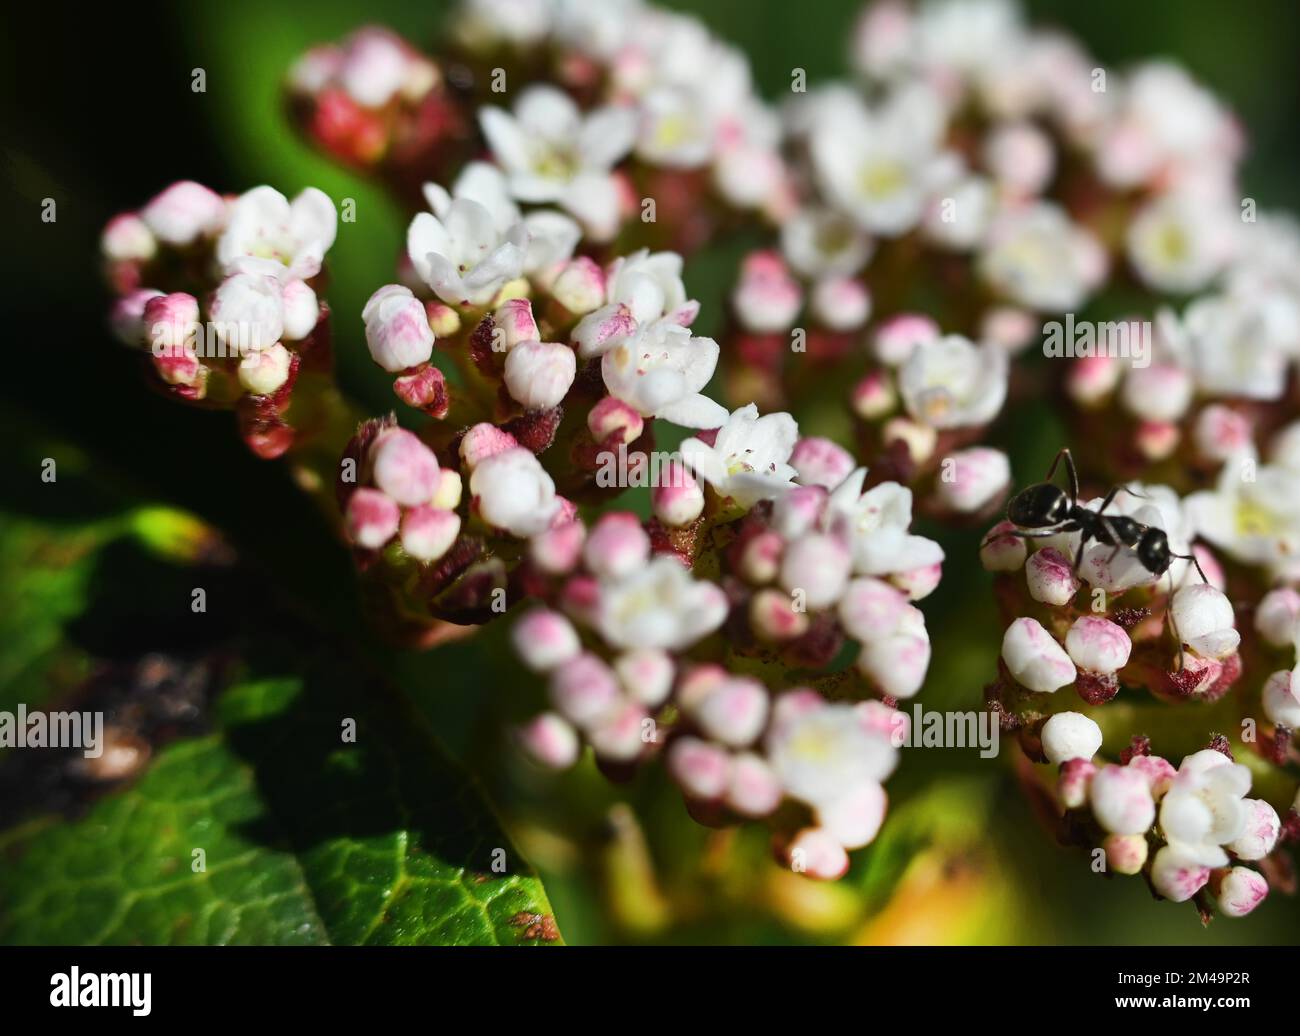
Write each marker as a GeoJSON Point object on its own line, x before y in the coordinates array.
{"type": "Point", "coordinates": [661, 371]}
{"type": "Point", "coordinates": [952, 383]}
{"type": "Point", "coordinates": [554, 153]}
{"type": "Point", "coordinates": [463, 257]}
{"type": "Point", "coordinates": [975, 477]}
{"type": "Point", "coordinates": [1204, 619]}
{"type": "Point", "coordinates": [821, 242]}
{"type": "Point", "coordinates": [264, 225]}
{"type": "Point", "coordinates": [1039, 259]}
{"type": "Point", "coordinates": [749, 458]}
{"type": "Point", "coordinates": [1232, 346]}
{"type": "Point", "coordinates": [1175, 244]}
{"type": "Point", "coordinates": [827, 752]}
{"type": "Point", "coordinates": [877, 524]}
{"type": "Point", "coordinates": [659, 606]}
{"type": "Point", "coordinates": [1253, 513]}
{"type": "Point", "coordinates": [397, 329]}
{"type": "Point", "coordinates": [514, 492]}
{"type": "Point", "coordinates": [1035, 659]}
{"type": "Point", "coordinates": [1070, 735]}
{"type": "Point", "coordinates": [1276, 615]}
{"type": "Point", "coordinates": [552, 236]}
{"type": "Point", "coordinates": [878, 167]}
{"type": "Point", "coordinates": [1205, 807]}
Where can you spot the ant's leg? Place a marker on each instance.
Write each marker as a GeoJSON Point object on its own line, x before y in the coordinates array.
{"type": "Point", "coordinates": [1173, 624]}
{"type": "Point", "coordinates": [1065, 453]}
{"type": "Point", "coordinates": [1195, 561]}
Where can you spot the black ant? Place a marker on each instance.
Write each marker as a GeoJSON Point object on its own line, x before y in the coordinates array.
{"type": "Point", "coordinates": [1045, 509]}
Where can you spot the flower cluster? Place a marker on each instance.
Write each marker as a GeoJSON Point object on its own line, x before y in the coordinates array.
{"type": "Point", "coordinates": [221, 294]}
{"type": "Point", "coordinates": [642, 658]}
{"type": "Point", "coordinates": [1188, 830]}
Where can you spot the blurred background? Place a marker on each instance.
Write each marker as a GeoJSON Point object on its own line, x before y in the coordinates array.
{"type": "Point", "coordinates": [100, 115]}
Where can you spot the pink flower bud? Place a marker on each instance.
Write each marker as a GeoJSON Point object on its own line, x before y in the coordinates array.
{"type": "Point", "coordinates": [180, 368]}
{"type": "Point", "coordinates": [1281, 704]}
{"type": "Point", "coordinates": [1012, 329]}
{"type": "Point", "coordinates": [514, 320]}
{"type": "Point", "coordinates": [1158, 393]}
{"type": "Point", "coordinates": [584, 690]}
{"type": "Point", "coordinates": [613, 421]}
{"type": "Point", "coordinates": [556, 550]}
{"type": "Point", "coordinates": [646, 675]}
{"type": "Point", "coordinates": [127, 317]}
{"type": "Point", "coordinates": [545, 639]}
{"type": "Point", "coordinates": [821, 462]}
{"type": "Point", "coordinates": [424, 388]}
{"type": "Point", "coordinates": [774, 618]}
{"type": "Point", "coordinates": [733, 711]}
{"type": "Point", "coordinates": [372, 518]}
{"type": "Point", "coordinates": [898, 336]}
{"type": "Point", "coordinates": [1092, 379]}
{"type": "Point", "coordinates": [127, 238]}
{"type": "Point", "coordinates": [766, 298]}
{"type": "Point", "coordinates": [1159, 773]}
{"type": "Point", "coordinates": [264, 373]}
{"type": "Point", "coordinates": [679, 499]}
{"type": "Point", "coordinates": [1051, 578]}
{"type": "Point", "coordinates": [538, 374]}
{"type": "Point", "coordinates": [580, 287]}
{"type": "Point", "coordinates": [397, 329]}
{"type": "Point", "coordinates": [1070, 735]}
{"type": "Point", "coordinates": [1221, 432]}
{"type": "Point", "coordinates": [920, 439]}
{"type": "Point", "coordinates": [1205, 621]}
{"type": "Point", "coordinates": [1121, 800]}
{"type": "Point", "coordinates": [702, 769]}
{"type": "Point", "coordinates": [482, 441]}
{"type": "Point", "coordinates": [447, 495]}
{"type": "Point", "coordinates": [1238, 890]}
{"type": "Point", "coordinates": [871, 608]}
{"type": "Point", "coordinates": [1125, 854]}
{"type": "Point", "coordinates": [918, 583]}
{"type": "Point", "coordinates": [1035, 659]}
{"type": "Point", "coordinates": [973, 479]}
{"type": "Point", "coordinates": [1098, 645]}
{"type": "Point", "coordinates": [760, 558]}
{"type": "Point", "coordinates": [1261, 831]}
{"type": "Point", "coordinates": [1177, 875]}
{"type": "Point", "coordinates": [443, 319]}
{"type": "Point", "coordinates": [841, 303]}
{"type": "Point", "coordinates": [619, 736]}
{"type": "Point", "coordinates": [896, 664]}
{"type": "Point", "coordinates": [753, 790]}
{"type": "Point", "coordinates": [818, 854]}
{"type": "Point", "coordinates": [617, 546]}
{"type": "Point", "coordinates": [874, 396]}
{"type": "Point", "coordinates": [404, 467]}
{"type": "Point", "coordinates": [1157, 440]}
{"type": "Point", "coordinates": [551, 741]}
{"type": "Point", "coordinates": [428, 532]}
{"type": "Point", "coordinates": [855, 817]}
{"type": "Point", "coordinates": [796, 511]}
{"type": "Point", "coordinates": [599, 331]}
{"type": "Point", "coordinates": [816, 565]}
{"type": "Point", "coordinates": [183, 212]}
{"type": "Point", "coordinates": [1001, 551]}
{"type": "Point", "coordinates": [1021, 157]}
{"type": "Point", "coordinates": [171, 322]}
{"type": "Point", "coordinates": [301, 310]}
{"type": "Point", "coordinates": [1072, 785]}
{"type": "Point", "coordinates": [1276, 616]}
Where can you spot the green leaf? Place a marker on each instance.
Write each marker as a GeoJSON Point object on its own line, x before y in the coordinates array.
{"type": "Point", "coordinates": [306, 835]}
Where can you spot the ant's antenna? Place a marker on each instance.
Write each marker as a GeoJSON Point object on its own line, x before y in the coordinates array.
{"type": "Point", "coordinates": [1195, 561]}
